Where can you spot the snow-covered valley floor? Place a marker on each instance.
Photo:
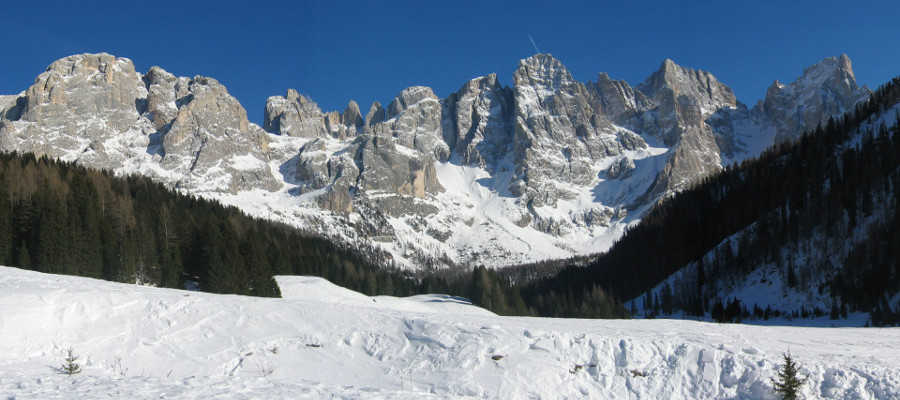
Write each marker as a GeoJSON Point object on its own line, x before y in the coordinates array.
{"type": "Point", "coordinates": [321, 341]}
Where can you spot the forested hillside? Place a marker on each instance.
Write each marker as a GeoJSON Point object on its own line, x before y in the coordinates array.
{"type": "Point", "coordinates": [60, 218]}
{"type": "Point", "coordinates": [818, 214]}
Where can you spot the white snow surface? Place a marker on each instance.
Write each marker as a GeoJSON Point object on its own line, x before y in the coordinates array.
{"type": "Point", "coordinates": [321, 341]}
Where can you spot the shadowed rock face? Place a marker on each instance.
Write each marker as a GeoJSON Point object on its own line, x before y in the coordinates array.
{"type": "Point", "coordinates": [97, 110]}
{"type": "Point", "coordinates": [826, 89]}
{"type": "Point", "coordinates": [683, 100]}
{"type": "Point", "coordinates": [477, 121]}
{"type": "Point", "coordinates": [395, 156]}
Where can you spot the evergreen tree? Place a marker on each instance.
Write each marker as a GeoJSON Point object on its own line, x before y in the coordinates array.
{"type": "Point", "coordinates": [788, 383]}
{"type": "Point", "coordinates": [70, 364]}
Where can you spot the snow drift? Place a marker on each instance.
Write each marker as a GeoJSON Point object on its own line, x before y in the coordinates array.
{"type": "Point", "coordinates": [324, 341]}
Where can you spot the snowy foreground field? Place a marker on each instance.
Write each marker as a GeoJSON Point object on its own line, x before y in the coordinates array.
{"type": "Point", "coordinates": [322, 341]}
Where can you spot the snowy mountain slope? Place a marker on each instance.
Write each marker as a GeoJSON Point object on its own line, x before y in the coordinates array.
{"type": "Point", "coordinates": [490, 175]}
{"type": "Point", "coordinates": [322, 341]}
{"type": "Point", "coordinates": [822, 247]}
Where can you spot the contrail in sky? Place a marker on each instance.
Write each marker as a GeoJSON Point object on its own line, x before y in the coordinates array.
{"type": "Point", "coordinates": [533, 44]}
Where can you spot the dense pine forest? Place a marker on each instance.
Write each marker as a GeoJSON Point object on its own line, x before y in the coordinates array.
{"type": "Point", "coordinates": [61, 218]}
{"type": "Point", "coordinates": [825, 205]}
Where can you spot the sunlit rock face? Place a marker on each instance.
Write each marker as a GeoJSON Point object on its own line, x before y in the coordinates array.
{"type": "Point", "coordinates": [95, 109]}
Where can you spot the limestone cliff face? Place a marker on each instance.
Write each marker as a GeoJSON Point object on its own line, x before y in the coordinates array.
{"type": "Point", "coordinates": [825, 89]}
{"type": "Point", "coordinates": [572, 157]}
{"type": "Point", "coordinates": [294, 115]}
{"type": "Point", "coordinates": [77, 104]}
{"type": "Point", "coordinates": [560, 133]}
{"type": "Point", "coordinates": [393, 160]}
{"type": "Point", "coordinates": [210, 131]}
{"type": "Point", "coordinates": [95, 109]}
{"type": "Point", "coordinates": [477, 121]}
{"type": "Point", "coordinates": [684, 100]}
{"type": "Point", "coordinates": [618, 100]}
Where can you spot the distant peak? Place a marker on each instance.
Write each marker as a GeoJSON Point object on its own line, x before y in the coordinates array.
{"type": "Point", "coordinates": [82, 63]}
{"type": "Point", "coordinates": [292, 95]}
{"type": "Point", "coordinates": [774, 88]}
{"type": "Point", "coordinates": [845, 64]}
{"type": "Point", "coordinates": [831, 64]}
{"type": "Point", "coordinates": [542, 69]}
{"type": "Point", "coordinates": [540, 56]}
{"type": "Point", "coordinates": [682, 80]}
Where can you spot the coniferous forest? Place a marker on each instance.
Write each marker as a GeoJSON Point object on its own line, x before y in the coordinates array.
{"type": "Point", "coordinates": [57, 217]}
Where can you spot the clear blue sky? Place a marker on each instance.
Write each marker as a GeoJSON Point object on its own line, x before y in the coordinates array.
{"type": "Point", "coordinates": [369, 51]}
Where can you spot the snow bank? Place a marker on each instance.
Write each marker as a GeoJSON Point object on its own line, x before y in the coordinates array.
{"type": "Point", "coordinates": [321, 341]}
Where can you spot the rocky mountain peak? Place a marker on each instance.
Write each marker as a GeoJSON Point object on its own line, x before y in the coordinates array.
{"type": "Point", "coordinates": [476, 121]}
{"type": "Point", "coordinates": [681, 83]}
{"type": "Point", "coordinates": [542, 71]}
{"type": "Point", "coordinates": [293, 95]}
{"type": "Point", "coordinates": [375, 115]}
{"type": "Point", "coordinates": [407, 98]}
{"type": "Point", "coordinates": [352, 116]}
{"type": "Point", "coordinates": [774, 88]}
{"type": "Point", "coordinates": [835, 66]}
{"type": "Point", "coordinates": [845, 64]}
{"type": "Point", "coordinates": [294, 115]}
{"type": "Point", "coordinates": [97, 110]}
{"type": "Point", "coordinates": [86, 84]}
{"type": "Point", "coordinates": [825, 89]}
{"type": "Point", "coordinates": [618, 100]}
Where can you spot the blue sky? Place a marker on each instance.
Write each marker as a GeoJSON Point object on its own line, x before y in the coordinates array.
{"type": "Point", "coordinates": [369, 51]}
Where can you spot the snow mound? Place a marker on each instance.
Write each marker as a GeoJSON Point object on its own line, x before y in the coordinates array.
{"type": "Point", "coordinates": [313, 288]}
{"type": "Point", "coordinates": [309, 288]}
{"type": "Point", "coordinates": [325, 342]}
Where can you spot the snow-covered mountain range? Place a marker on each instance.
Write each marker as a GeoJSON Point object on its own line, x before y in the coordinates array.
{"type": "Point", "coordinates": [494, 175]}
{"type": "Point", "coordinates": [322, 341]}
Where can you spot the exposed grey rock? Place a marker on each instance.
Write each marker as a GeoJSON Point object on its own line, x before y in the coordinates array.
{"type": "Point", "coordinates": [685, 99]}
{"type": "Point", "coordinates": [77, 101]}
{"type": "Point", "coordinates": [95, 109]}
{"type": "Point", "coordinates": [344, 125]}
{"type": "Point", "coordinates": [385, 168]}
{"type": "Point", "coordinates": [9, 107]}
{"type": "Point", "coordinates": [211, 127]}
{"type": "Point", "coordinates": [394, 162]}
{"type": "Point", "coordinates": [477, 121]}
{"type": "Point", "coordinates": [574, 157]}
{"type": "Point", "coordinates": [415, 122]}
{"type": "Point", "coordinates": [559, 133]}
{"type": "Point", "coordinates": [294, 115]}
{"type": "Point", "coordinates": [618, 100]}
{"type": "Point", "coordinates": [621, 169]}
{"type": "Point", "coordinates": [161, 105]}
{"type": "Point", "coordinates": [376, 114]}
{"type": "Point", "coordinates": [316, 169]}
{"type": "Point", "coordinates": [826, 89]}
{"type": "Point", "coordinates": [352, 118]}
